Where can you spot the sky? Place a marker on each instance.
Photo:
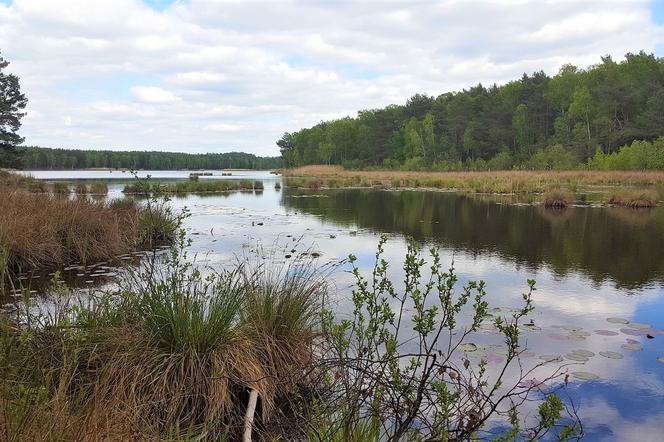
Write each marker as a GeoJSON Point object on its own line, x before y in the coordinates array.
{"type": "Point", "coordinates": [218, 76]}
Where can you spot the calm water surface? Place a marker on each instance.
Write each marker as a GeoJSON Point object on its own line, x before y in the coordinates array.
{"type": "Point", "coordinates": [590, 263]}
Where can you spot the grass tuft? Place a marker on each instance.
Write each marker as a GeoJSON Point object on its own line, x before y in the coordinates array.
{"type": "Point", "coordinates": [558, 198]}
{"type": "Point", "coordinates": [635, 198]}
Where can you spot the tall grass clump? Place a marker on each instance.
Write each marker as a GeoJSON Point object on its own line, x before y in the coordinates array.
{"type": "Point", "coordinates": [99, 188]}
{"type": "Point", "coordinates": [41, 231]}
{"type": "Point", "coordinates": [81, 189]}
{"type": "Point", "coordinates": [60, 188]}
{"type": "Point", "coordinates": [258, 185]}
{"type": "Point", "coordinates": [558, 198]}
{"type": "Point", "coordinates": [635, 198]}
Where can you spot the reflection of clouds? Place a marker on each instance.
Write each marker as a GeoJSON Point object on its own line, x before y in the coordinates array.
{"type": "Point", "coordinates": [598, 415]}
{"type": "Point", "coordinates": [570, 300]}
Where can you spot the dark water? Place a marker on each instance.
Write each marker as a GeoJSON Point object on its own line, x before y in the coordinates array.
{"type": "Point", "coordinates": [590, 263]}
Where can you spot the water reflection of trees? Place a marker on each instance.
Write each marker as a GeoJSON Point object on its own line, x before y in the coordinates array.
{"type": "Point", "coordinates": [603, 243]}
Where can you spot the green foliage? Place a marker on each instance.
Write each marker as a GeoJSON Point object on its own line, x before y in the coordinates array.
{"type": "Point", "coordinates": [640, 155]}
{"type": "Point", "coordinates": [555, 157]}
{"type": "Point", "coordinates": [520, 124]}
{"type": "Point", "coordinates": [47, 158]}
{"type": "Point", "coordinates": [12, 104]}
{"type": "Point", "coordinates": [397, 360]}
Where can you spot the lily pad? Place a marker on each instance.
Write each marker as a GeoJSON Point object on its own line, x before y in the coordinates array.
{"type": "Point", "coordinates": [607, 332]}
{"type": "Point", "coordinates": [579, 333]}
{"type": "Point", "coordinates": [660, 359]}
{"type": "Point", "coordinates": [632, 347]}
{"type": "Point", "coordinates": [639, 325]}
{"type": "Point", "coordinates": [576, 357]}
{"type": "Point", "coordinates": [585, 375]}
{"type": "Point", "coordinates": [633, 332]}
{"type": "Point", "coordinates": [617, 320]}
{"type": "Point", "coordinates": [611, 354]}
{"type": "Point", "coordinates": [468, 347]}
{"type": "Point", "coordinates": [551, 358]}
{"type": "Point", "coordinates": [585, 353]}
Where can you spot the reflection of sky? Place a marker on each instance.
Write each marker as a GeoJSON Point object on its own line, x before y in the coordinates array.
{"type": "Point", "coordinates": [630, 393]}
{"type": "Point", "coordinates": [626, 401]}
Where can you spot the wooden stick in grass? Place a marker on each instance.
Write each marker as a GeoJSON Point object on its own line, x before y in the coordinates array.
{"type": "Point", "coordinates": [249, 416]}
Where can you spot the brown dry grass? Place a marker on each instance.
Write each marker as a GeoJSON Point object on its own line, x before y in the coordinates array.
{"type": "Point", "coordinates": [635, 198]}
{"type": "Point", "coordinates": [479, 182]}
{"type": "Point", "coordinates": [39, 230]}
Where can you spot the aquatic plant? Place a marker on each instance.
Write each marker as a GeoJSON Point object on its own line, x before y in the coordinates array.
{"type": "Point", "coordinates": [99, 188]}
{"type": "Point", "coordinates": [60, 188]}
{"type": "Point", "coordinates": [635, 198]}
{"type": "Point", "coordinates": [558, 198]}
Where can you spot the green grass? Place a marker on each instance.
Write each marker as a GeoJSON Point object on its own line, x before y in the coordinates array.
{"type": "Point", "coordinates": [191, 186]}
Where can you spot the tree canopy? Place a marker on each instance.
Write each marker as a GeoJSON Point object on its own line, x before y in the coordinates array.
{"type": "Point", "coordinates": [12, 104]}
{"type": "Point", "coordinates": [47, 158]}
{"type": "Point", "coordinates": [523, 123]}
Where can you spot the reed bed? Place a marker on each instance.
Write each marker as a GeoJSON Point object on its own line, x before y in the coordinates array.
{"type": "Point", "coordinates": [315, 177]}
{"type": "Point", "coordinates": [635, 198]}
{"type": "Point", "coordinates": [191, 186]}
{"type": "Point", "coordinates": [40, 230]}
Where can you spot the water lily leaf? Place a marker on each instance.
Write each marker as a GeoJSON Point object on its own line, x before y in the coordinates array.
{"type": "Point", "coordinates": [585, 375]}
{"type": "Point", "coordinates": [584, 353]}
{"type": "Point", "coordinates": [639, 325]}
{"type": "Point", "coordinates": [606, 333]}
{"type": "Point", "coordinates": [468, 347]}
{"type": "Point", "coordinates": [551, 358]}
{"type": "Point", "coordinates": [579, 333]}
{"type": "Point", "coordinates": [633, 332]}
{"type": "Point", "coordinates": [660, 359]}
{"type": "Point", "coordinates": [632, 341]}
{"type": "Point", "coordinates": [611, 354]}
{"type": "Point", "coordinates": [617, 320]}
{"type": "Point", "coordinates": [576, 357]}
{"type": "Point", "coordinates": [632, 347]}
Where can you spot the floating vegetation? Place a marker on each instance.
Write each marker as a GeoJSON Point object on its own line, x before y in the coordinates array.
{"type": "Point", "coordinates": [633, 331]}
{"type": "Point", "coordinates": [639, 325]}
{"type": "Point", "coordinates": [551, 358]}
{"type": "Point", "coordinates": [468, 347]}
{"type": "Point", "coordinates": [617, 320]}
{"type": "Point", "coordinates": [632, 347]}
{"type": "Point", "coordinates": [585, 375]}
{"type": "Point", "coordinates": [572, 356]}
{"type": "Point", "coordinates": [660, 359]}
{"type": "Point", "coordinates": [607, 332]}
{"type": "Point", "coordinates": [611, 354]}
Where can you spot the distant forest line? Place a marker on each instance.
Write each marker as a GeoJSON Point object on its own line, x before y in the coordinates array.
{"type": "Point", "coordinates": [60, 159]}
{"type": "Point", "coordinates": [608, 116]}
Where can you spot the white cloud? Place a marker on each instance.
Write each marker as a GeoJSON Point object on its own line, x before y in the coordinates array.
{"type": "Point", "coordinates": [153, 94]}
{"type": "Point", "coordinates": [223, 127]}
{"type": "Point", "coordinates": [235, 75]}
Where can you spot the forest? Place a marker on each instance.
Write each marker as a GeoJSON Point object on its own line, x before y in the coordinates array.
{"type": "Point", "coordinates": [600, 117]}
{"type": "Point", "coordinates": [59, 159]}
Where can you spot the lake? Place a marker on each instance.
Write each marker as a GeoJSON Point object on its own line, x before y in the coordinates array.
{"type": "Point", "coordinates": [596, 268]}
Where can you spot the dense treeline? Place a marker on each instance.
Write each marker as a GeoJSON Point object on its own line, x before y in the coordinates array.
{"type": "Point", "coordinates": [534, 122]}
{"type": "Point", "coordinates": [46, 158]}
